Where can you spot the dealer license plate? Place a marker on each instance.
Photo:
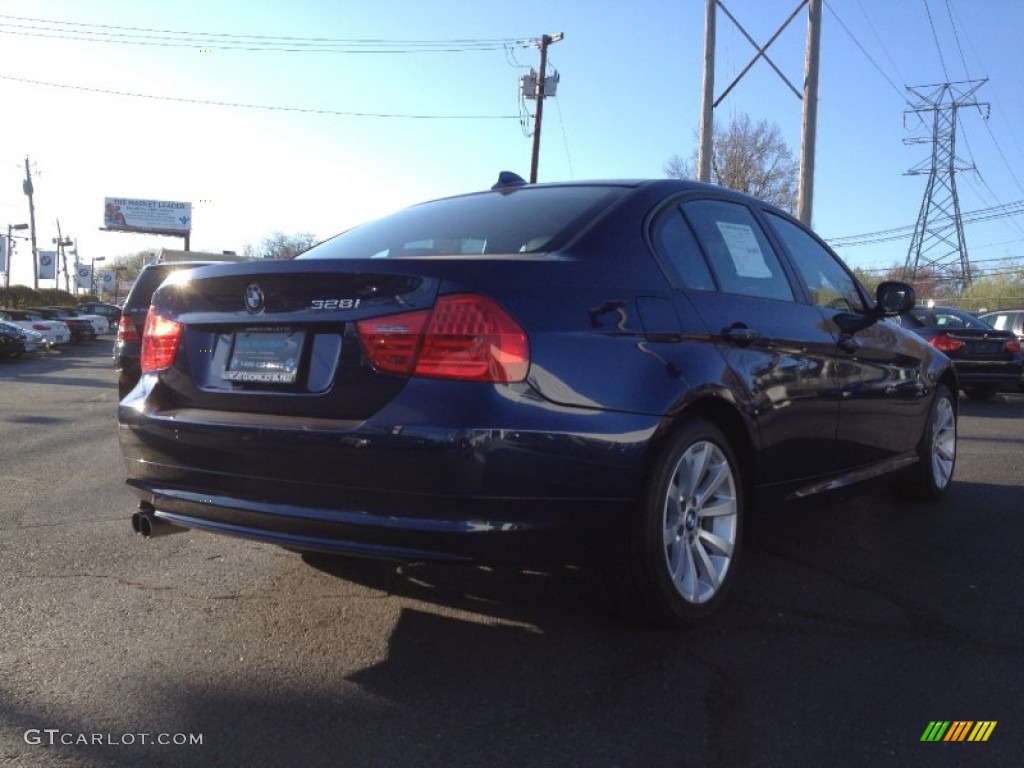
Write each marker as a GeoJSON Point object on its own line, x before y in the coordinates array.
{"type": "Point", "coordinates": [266, 357]}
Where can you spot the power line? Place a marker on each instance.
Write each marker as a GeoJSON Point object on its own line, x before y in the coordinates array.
{"type": "Point", "coordinates": [956, 36]}
{"type": "Point", "coordinates": [870, 58]}
{"type": "Point", "coordinates": [896, 233]}
{"type": "Point", "coordinates": [269, 107]}
{"type": "Point", "coordinates": [1013, 267]}
{"type": "Point", "coordinates": [50, 28]}
{"type": "Point", "coordinates": [227, 45]}
{"type": "Point", "coordinates": [881, 43]}
{"type": "Point", "coordinates": [935, 36]}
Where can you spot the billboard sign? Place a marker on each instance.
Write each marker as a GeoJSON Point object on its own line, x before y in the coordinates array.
{"type": "Point", "coordinates": [160, 217]}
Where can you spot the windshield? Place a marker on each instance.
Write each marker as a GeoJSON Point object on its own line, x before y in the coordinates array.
{"type": "Point", "coordinates": [529, 220]}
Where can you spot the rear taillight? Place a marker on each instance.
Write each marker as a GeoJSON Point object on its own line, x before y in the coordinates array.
{"type": "Point", "coordinates": [126, 330]}
{"type": "Point", "coordinates": [1013, 346]}
{"type": "Point", "coordinates": [159, 342]}
{"type": "Point", "coordinates": [945, 343]}
{"type": "Point", "coordinates": [40, 327]}
{"type": "Point", "coordinates": [465, 336]}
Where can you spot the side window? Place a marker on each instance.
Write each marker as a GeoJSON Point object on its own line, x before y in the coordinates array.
{"type": "Point", "coordinates": [675, 244]}
{"type": "Point", "coordinates": [999, 322]}
{"type": "Point", "coordinates": [830, 284]}
{"type": "Point", "coordinates": [741, 258]}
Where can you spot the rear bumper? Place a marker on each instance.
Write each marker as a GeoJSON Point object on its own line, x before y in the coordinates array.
{"type": "Point", "coordinates": [383, 490]}
{"type": "Point", "coordinates": [414, 527]}
{"type": "Point", "coordinates": [1002, 375]}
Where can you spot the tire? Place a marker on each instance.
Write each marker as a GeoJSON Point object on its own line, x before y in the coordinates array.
{"type": "Point", "coordinates": [930, 478]}
{"type": "Point", "coordinates": [685, 542]}
{"type": "Point", "coordinates": [980, 393]}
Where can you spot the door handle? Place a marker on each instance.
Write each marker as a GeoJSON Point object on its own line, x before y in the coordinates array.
{"type": "Point", "coordinates": [740, 334]}
{"type": "Point", "coordinates": [848, 344]}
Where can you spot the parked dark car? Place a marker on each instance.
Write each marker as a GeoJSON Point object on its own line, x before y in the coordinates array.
{"type": "Point", "coordinates": [1006, 320]}
{"type": "Point", "coordinates": [12, 340]}
{"type": "Point", "coordinates": [987, 360]}
{"type": "Point", "coordinates": [111, 312]}
{"type": "Point", "coordinates": [613, 373]}
{"type": "Point", "coordinates": [82, 329]}
{"type": "Point", "coordinates": [132, 320]}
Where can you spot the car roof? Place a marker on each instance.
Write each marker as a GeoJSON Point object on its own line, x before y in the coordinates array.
{"type": "Point", "coordinates": [182, 264]}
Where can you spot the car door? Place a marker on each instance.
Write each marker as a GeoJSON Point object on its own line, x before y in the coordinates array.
{"type": "Point", "coordinates": [778, 352]}
{"type": "Point", "coordinates": [883, 396]}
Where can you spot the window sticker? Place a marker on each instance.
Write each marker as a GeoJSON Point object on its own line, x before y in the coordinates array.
{"type": "Point", "coordinates": [744, 249]}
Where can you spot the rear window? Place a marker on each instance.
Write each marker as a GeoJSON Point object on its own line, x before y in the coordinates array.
{"type": "Point", "coordinates": [145, 286]}
{"type": "Point", "coordinates": [526, 220]}
{"type": "Point", "coordinates": [948, 319]}
{"type": "Point", "coordinates": [149, 280]}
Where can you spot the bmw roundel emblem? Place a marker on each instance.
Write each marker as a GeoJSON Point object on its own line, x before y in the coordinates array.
{"type": "Point", "coordinates": [254, 298]}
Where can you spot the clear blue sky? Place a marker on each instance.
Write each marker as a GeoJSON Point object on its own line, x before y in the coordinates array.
{"type": "Point", "coordinates": [628, 99]}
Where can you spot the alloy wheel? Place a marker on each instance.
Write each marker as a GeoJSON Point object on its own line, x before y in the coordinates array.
{"type": "Point", "coordinates": [701, 522]}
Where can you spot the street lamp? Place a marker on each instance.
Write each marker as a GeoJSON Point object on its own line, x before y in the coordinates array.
{"type": "Point", "coordinates": [10, 251]}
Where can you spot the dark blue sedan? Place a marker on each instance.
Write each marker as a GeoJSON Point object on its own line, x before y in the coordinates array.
{"type": "Point", "coordinates": [613, 373]}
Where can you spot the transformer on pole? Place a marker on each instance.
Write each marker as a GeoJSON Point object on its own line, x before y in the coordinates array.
{"type": "Point", "coordinates": [938, 243]}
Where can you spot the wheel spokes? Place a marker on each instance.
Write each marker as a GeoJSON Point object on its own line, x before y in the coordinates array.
{"type": "Point", "coordinates": [700, 522]}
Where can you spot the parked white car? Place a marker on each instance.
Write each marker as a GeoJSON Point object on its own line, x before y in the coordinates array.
{"type": "Point", "coordinates": [53, 331]}
{"type": "Point", "coordinates": [100, 324]}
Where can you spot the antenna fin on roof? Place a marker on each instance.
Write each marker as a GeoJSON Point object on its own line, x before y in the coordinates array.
{"type": "Point", "coordinates": [508, 179]}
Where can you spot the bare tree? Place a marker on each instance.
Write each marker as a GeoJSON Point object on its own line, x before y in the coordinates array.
{"type": "Point", "coordinates": [748, 157]}
{"type": "Point", "coordinates": [128, 266]}
{"type": "Point", "coordinates": [281, 246]}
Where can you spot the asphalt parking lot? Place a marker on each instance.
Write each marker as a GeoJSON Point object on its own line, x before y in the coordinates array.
{"type": "Point", "coordinates": [852, 627]}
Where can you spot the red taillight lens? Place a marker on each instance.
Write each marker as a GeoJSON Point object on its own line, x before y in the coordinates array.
{"type": "Point", "coordinates": [393, 342]}
{"type": "Point", "coordinates": [945, 343]}
{"type": "Point", "coordinates": [464, 337]}
{"type": "Point", "coordinates": [126, 330]}
{"type": "Point", "coordinates": [40, 327]}
{"type": "Point", "coordinates": [159, 342]}
{"type": "Point", "coordinates": [1013, 346]}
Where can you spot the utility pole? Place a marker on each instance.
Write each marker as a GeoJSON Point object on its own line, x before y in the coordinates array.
{"type": "Point", "coordinates": [809, 95]}
{"type": "Point", "coordinates": [540, 94]}
{"type": "Point", "coordinates": [808, 131]}
{"type": "Point", "coordinates": [27, 187]}
{"type": "Point", "coordinates": [707, 108]}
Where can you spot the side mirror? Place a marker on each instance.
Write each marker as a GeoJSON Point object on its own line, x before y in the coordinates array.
{"type": "Point", "coordinates": [891, 298]}
{"type": "Point", "coordinates": [894, 298]}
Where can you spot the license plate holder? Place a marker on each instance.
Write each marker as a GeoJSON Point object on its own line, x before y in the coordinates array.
{"type": "Point", "coordinates": [265, 356]}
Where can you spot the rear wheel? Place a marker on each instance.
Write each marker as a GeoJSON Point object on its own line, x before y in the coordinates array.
{"type": "Point", "coordinates": [931, 477]}
{"type": "Point", "coordinates": [683, 551]}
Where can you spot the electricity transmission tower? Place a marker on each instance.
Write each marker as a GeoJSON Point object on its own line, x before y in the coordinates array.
{"type": "Point", "coordinates": [938, 243]}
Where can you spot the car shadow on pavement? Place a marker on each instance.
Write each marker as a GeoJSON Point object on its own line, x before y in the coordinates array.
{"type": "Point", "coordinates": [505, 667]}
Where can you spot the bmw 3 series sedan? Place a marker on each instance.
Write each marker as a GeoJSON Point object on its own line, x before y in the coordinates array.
{"type": "Point", "coordinates": [617, 374]}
